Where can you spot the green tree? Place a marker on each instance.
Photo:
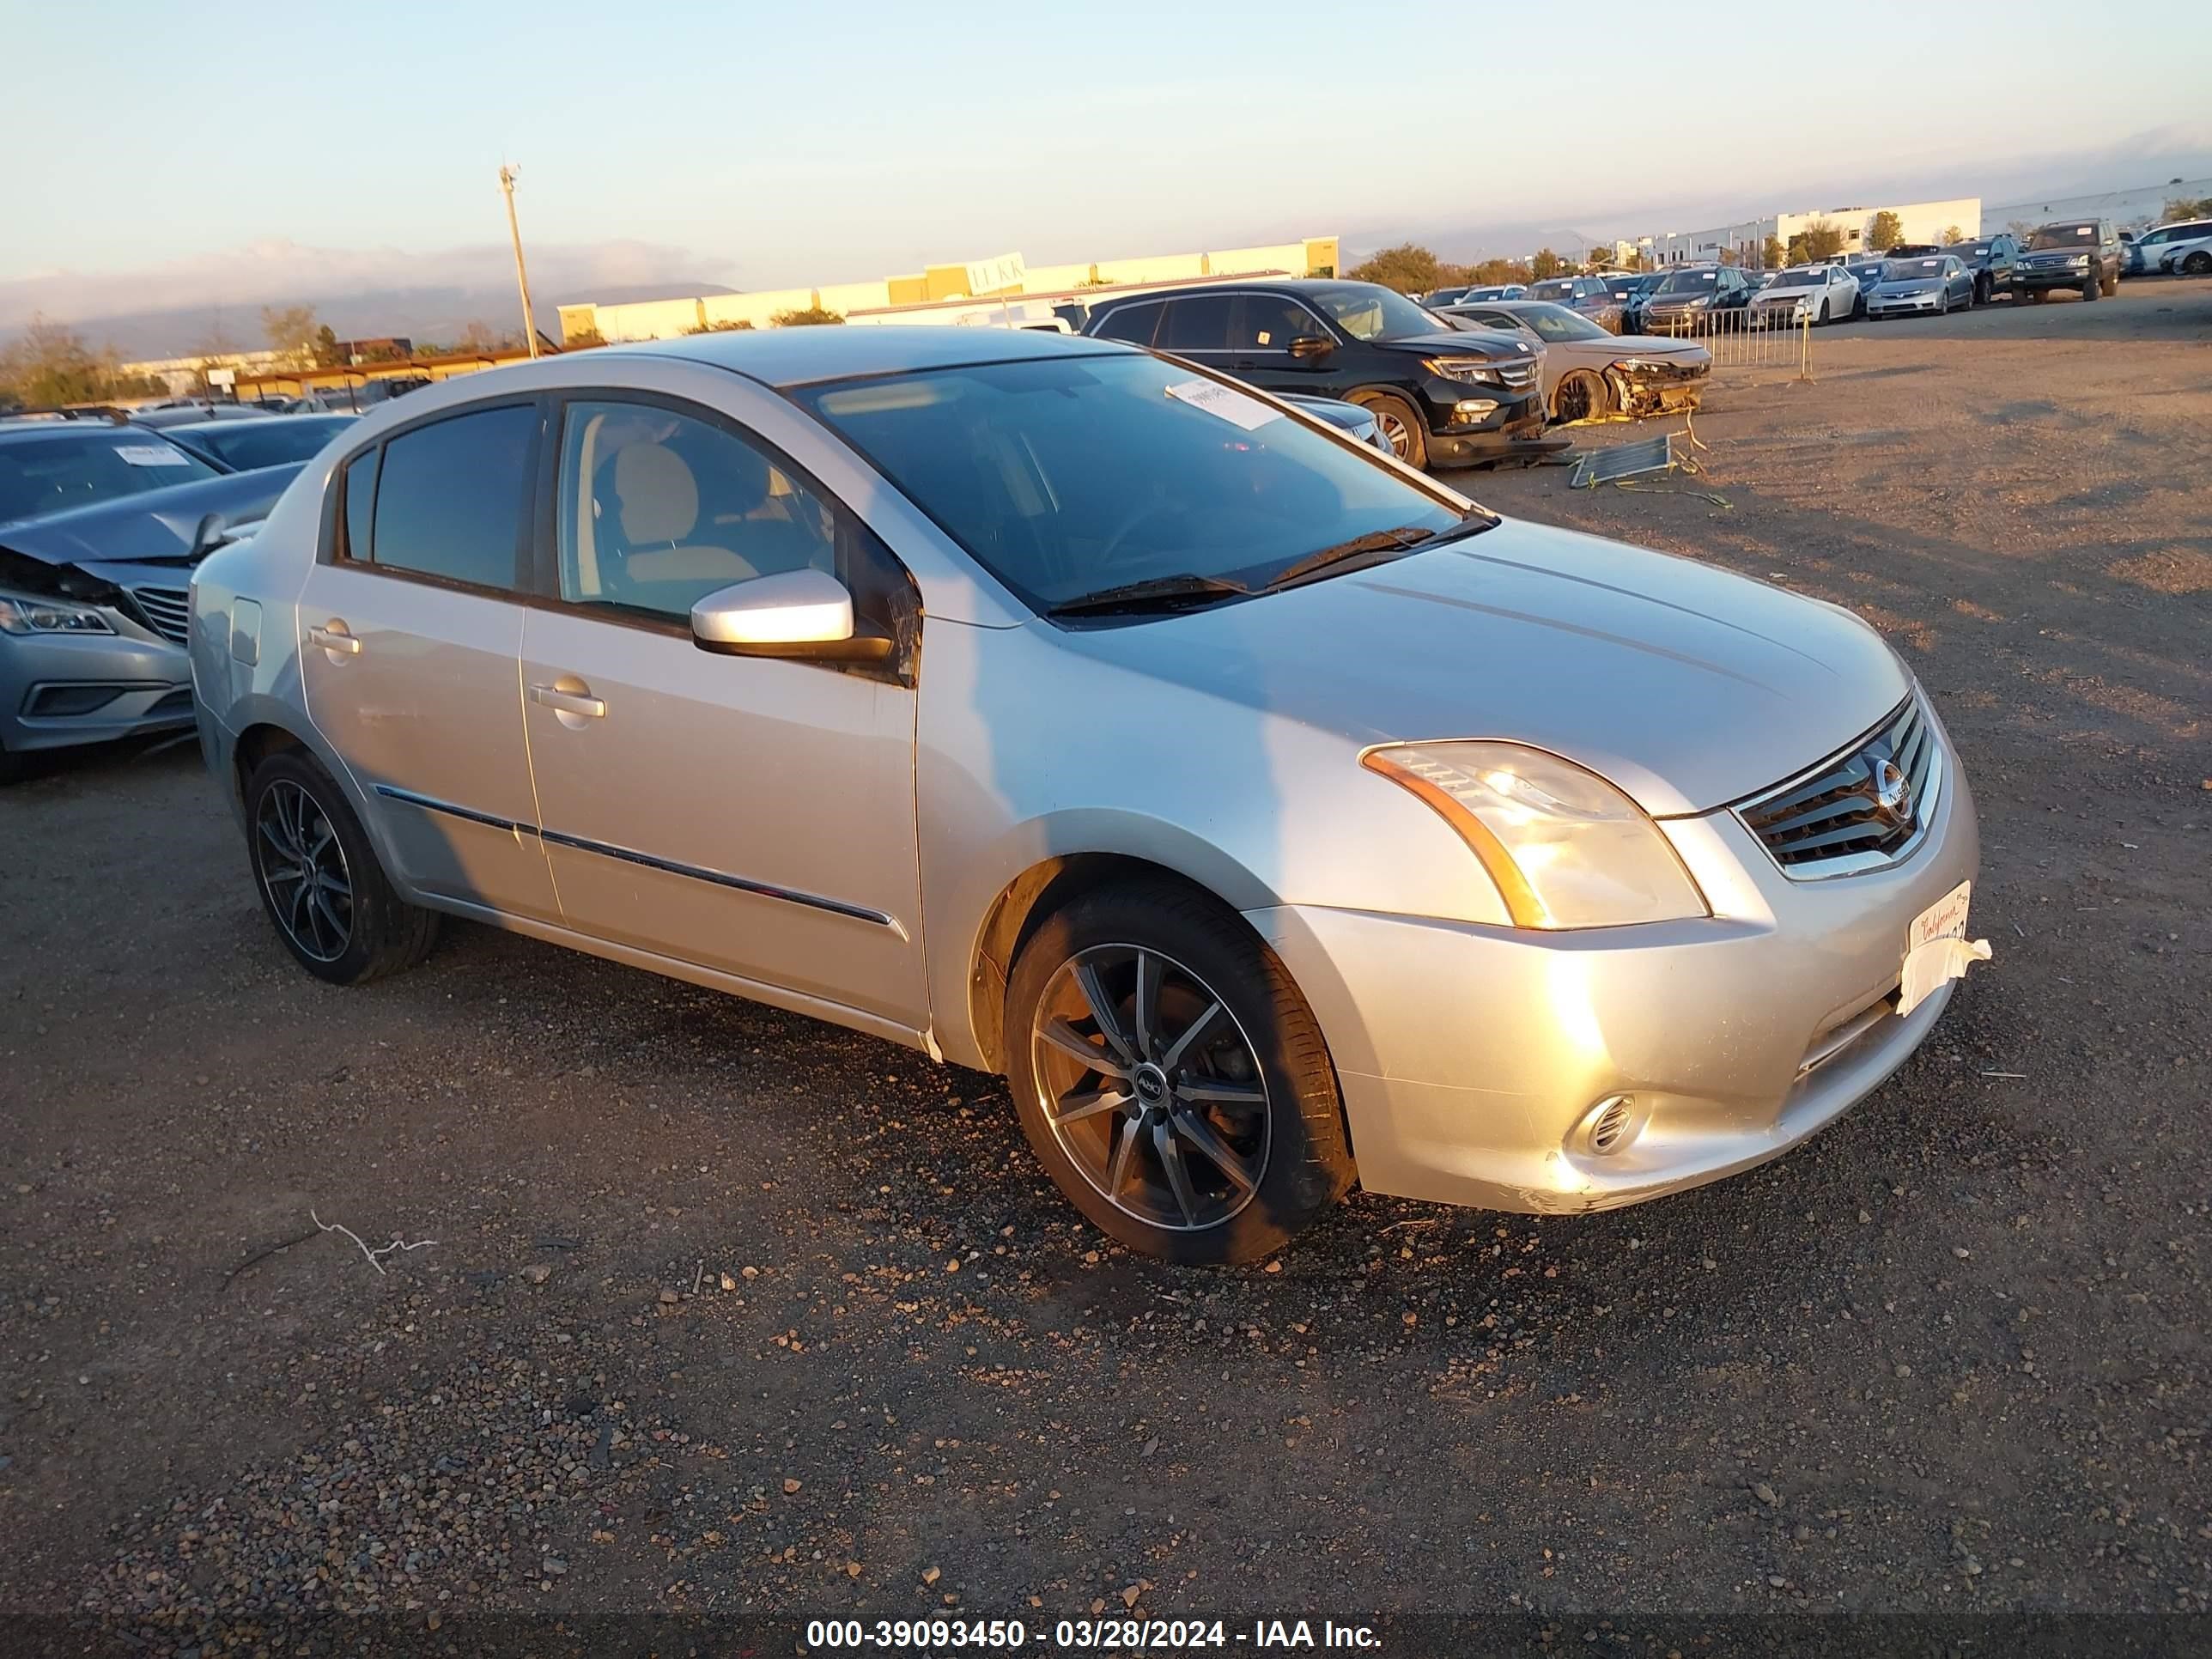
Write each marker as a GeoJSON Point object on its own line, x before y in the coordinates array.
{"type": "Point", "coordinates": [1546, 264]}
{"type": "Point", "coordinates": [732, 326]}
{"type": "Point", "coordinates": [1774, 253]}
{"type": "Point", "coordinates": [328, 353]}
{"type": "Point", "coordinates": [1730, 257]}
{"type": "Point", "coordinates": [2181, 207]}
{"type": "Point", "coordinates": [1954, 233]}
{"type": "Point", "coordinates": [581, 339]}
{"type": "Point", "coordinates": [1823, 237]}
{"type": "Point", "coordinates": [1887, 231]}
{"type": "Point", "coordinates": [1408, 267]}
{"type": "Point", "coordinates": [806, 318]}
{"type": "Point", "coordinates": [1600, 255]}
{"type": "Point", "coordinates": [50, 363]}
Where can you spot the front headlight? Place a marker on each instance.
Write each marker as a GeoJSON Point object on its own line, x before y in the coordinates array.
{"type": "Point", "coordinates": [1464, 369]}
{"type": "Point", "coordinates": [19, 614]}
{"type": "Point", "coordinates": [1565, 848]}
{"type": "Point", "coordinates": [2079, 259]}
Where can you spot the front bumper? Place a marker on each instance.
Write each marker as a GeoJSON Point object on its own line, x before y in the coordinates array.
{"type": "Point", "coordinates": [1472, 1058]}
{"type": "Point", "coordinates": [1518, 417]}
{"type": "Point", "coordinates": [1905, 304]}
{"type": "Point", "coordinates": [2053, 277]}
{"type": "Point", "coordinates": [59, 690]}
{"type": "Point", "coordinates": [1660, 388]}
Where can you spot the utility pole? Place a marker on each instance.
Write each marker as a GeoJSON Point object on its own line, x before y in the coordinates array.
{"type": "Point", "coordinates": [521, 273]}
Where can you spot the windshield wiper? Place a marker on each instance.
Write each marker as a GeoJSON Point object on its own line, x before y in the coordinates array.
{"type": "Point", "coordinates": [1154, 593]}
{"type": "Point", "coordinates": [1365, 550]}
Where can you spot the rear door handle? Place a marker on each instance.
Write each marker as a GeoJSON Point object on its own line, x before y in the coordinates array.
{"type": "Point", "coordinates": [561, 700]}
{"type": "Point", "coordinates": [336, 639]}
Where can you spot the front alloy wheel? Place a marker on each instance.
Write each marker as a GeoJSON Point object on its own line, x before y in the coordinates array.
{"type": "Point", "coordinates": [1151, 1087]}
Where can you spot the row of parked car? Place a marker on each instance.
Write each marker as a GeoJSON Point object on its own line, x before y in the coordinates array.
{"type": "Point", "coordinates": [2089, 257]}
{"type": "Point", "coordinates": [103, 515]}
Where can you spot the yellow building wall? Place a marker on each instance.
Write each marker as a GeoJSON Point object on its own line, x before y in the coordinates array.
{"type": "Point", "coordinates": [1164, 268]}
{"type": "Point", "coordinates": [842, 297]}
{"type": "Point", "coordinates": [909, 290]}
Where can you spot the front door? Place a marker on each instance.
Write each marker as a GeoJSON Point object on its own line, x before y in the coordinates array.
{"type": "Point", "coordinates": [1262, 328]}
{"type": "Point", "coordinates": [747, 815]}
{"type": "Point", "coordinates": [409, 640]}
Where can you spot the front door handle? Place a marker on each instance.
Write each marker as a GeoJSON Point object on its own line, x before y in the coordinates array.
{"type": "Point", "coordinates": [570, 698]}
{"type": "Point", "coordinates": [336, 639]}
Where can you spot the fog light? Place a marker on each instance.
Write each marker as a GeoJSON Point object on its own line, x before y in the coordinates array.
{"type": "Point", "coordinates": [1610, 1126]}
{"type": "Point", "coordinates": [1473, 408]}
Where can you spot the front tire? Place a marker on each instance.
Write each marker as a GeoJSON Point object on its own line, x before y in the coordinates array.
{"type": "Point", "coordinates": [325, 894]}
{"type": "Point", "coordinates": [1581, 396]}
{"type": "Point", "coordinates": [2196, 264]}
{"type": "Point", "coordinates": [1171, 1079]}
{"type": "Point", "coordinates": [1400, 425]}
{"type": "Point", "coordinates": [2089, 289]}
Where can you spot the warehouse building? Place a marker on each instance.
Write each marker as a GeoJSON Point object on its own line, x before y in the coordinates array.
{"type": "Point", "coordinates": [1745, 243]}
{"type": "Point", "coordinates": [930, 295]}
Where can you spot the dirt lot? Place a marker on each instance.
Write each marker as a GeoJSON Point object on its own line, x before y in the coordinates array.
{"type": "Point", "coordinates": [731, 1314]}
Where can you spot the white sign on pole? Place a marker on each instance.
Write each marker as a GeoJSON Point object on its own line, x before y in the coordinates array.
{"type": "Point", "coordinates": [989, 275]}
{"type": "Point", "coordinates": [222, 377]}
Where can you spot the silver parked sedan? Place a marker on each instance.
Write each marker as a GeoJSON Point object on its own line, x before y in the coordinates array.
{"type": "Point", "coordinates": [1592, 374]}
{"type": "Point", "coordinates": [1272, 817]}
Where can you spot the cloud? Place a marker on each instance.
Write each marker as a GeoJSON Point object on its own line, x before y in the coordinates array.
{"type": "Point", "coordinates": [282, 272]}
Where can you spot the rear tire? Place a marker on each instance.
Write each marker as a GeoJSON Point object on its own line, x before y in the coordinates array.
{"type": "Point", "coordinates": [1581, 396]}
{"type": "Point", "coordinates": [325, 892]}
{"type": "Point", "coordinates": [1984, 291]}
{"type": "Point", "coordinates": [1400, 423]}
{"type": "Point", "coordinates": [2198, 264]}
{"type": "Point", "coordinates": [2112, 284]}
{"type": "Point", "coordinates": [2038, 295]}
{"type": "Point", "coordinates": [1210, 1115]}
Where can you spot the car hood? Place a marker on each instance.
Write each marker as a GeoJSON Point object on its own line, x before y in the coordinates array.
{"type": "Point", "coordinates": [1910, 285]}
{"type": "Point", "coordinates": [1677, 301]}
{"type": "Point", "coordinates": [1687, 686]}
{"type": "Point", "coordinates": [119, 542]}
{"type": "Point", "coordinates": [1650, 345]}
{"type": "Point", "coordinates": [1493, 345]}
{"type": "Point", "coordinates": [1788, 290]}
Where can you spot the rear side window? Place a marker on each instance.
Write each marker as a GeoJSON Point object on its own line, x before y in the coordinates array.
{"type": "Point", "coordinates": [1132, 322]}
{"type": "Point", "coordinates": [1197, 324]}
{"type": "Point", "coordinates": [450, 497]}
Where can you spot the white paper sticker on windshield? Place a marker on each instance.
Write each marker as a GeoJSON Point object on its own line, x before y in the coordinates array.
{"type": "Point", "coordinates": [2083, 230]}
{"type": "Point", "coordinates": [1231, 405]}
{"type": "Point", "coordinates": [152, 455]}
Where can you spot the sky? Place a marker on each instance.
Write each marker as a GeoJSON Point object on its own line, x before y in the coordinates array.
{"type": "Point", "coordinates": [812, 142]}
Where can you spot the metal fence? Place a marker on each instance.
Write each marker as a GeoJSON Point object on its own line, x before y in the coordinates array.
{"type": "Point", "coordinates": [1745, 337]}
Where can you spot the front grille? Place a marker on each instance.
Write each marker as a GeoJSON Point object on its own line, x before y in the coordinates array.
{"type": "Point", "coordinates": [1518, 377]}
{"type": "Point", "coordinates": [166, 610]}
{"type": "Point", "coordinates": [1861, 809]}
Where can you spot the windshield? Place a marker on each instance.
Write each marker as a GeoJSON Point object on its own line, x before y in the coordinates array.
{"type": "Point", "coordinates": [1368, 313]}
{"type": "Point", "coordinates": [1557, 322]}
{"type": "Point", "coordinates": [1969, 250]}
{"type": "Point", "coordinates": [1910, 271]}
{"type": "Point", "coordinates": [1688, 282]}
{"type": "Point", "coordinates": [1512, 291]}
{"type": "Point", "coordinates": [1799, 276]}
{"type": "Point", "coordinates": [248, 445]}
{"type": "Point", "coordinates": [2064, 236]}
{"type": "Point", "coordinates": [79, 469]}
{"type": "Point", "coordinates": [1068, 475]}
{"type": "Point", "coordinates": [1556, 287]}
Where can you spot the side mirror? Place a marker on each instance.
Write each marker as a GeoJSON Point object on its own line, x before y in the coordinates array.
{"type": "Point", "coordinates": [794, 613]}
{"type": "Point", "coordinates": [1312, 348]}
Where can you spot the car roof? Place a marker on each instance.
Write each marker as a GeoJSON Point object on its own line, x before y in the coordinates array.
{"type": "Point", "coordinates": [798, 357]}
{"type": "Point", "coordinates": [32, 429]}
{"type": "Point", "coordinates": [248, 423]}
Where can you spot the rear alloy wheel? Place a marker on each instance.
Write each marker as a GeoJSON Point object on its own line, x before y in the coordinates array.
{"type": "Point", "coordinates": [1171, 1079]}
{"type": "Point", "coordinates": [320, 880]}
{"type": "Point", "coordinates": [2196, 264]}
{"type": "Point", "coordinates": [1581, 396]}
{"type": "Point", "coordinates": [1400, 426]}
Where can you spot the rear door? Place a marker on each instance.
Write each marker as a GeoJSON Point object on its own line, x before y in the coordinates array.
{"type": "Point", "coordinates": [751, 816]}
{"type": "Point", "coordinates": [410, 636]}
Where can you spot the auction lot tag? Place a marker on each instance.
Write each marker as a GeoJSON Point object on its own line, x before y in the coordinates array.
{"type": "Point", "coordinates": [152, 455]}
{"type": "Point", "coordinates": [1231, 405]}
{"type": "Point", "coordinates": [1937, 949]}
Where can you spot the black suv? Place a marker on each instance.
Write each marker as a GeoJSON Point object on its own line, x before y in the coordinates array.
{"type": "Point", "coordinates": [2083, 254]}
{"type": "Point", "coordinates": [1992, 259]}
{"type": "Point", "coordinates": [1439, 394]}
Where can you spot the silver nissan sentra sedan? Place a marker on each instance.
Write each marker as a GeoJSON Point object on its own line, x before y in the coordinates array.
{"type": "Point", "coordinates": [1271, 815]}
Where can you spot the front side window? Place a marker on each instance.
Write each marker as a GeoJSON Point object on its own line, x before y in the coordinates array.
{"type": "Point", "coordinates": [1199, 324]}
{"type": "Point", "coordinates": [1067, 476]}
{"type": "Point", "coordinates": [43, 475]}
{"type": "Point", "coordinates": [659, 509]}
{"type": "Point", "coordinates": [450, 497]}
{"type": "Point", "coordinates": [1269, 322]}
{"type": "Point", "coordinates": [1131, 324]}
{"type": "Point", "coordinates": [1367, 312]}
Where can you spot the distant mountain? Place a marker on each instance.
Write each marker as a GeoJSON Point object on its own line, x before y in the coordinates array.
{"type": "Point", "coordinates": [177, 309]}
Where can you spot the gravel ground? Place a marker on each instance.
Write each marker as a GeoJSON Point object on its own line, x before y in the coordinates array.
{"type": "Point", "coordinates": [720, 1313]}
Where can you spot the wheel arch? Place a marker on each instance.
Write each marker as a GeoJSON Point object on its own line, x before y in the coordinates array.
{"type": "Point", "coordinates": [1109, 852]}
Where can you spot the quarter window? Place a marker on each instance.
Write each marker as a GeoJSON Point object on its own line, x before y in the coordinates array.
{"type": "Point", "coordinates": [360, 502]}
{"type": "Point", "coordinates": [450, 496]}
